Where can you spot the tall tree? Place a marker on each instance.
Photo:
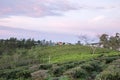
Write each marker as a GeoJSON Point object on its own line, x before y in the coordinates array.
{"type": "Point", "coordinates": [104, 40]}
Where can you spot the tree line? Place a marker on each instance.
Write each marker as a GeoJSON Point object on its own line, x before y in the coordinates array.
{"type": "Point", "coordinates": [9, 46]}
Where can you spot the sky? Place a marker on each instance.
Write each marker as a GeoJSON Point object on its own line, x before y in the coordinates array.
{"type": "Point", "coordinates": [58, 20]}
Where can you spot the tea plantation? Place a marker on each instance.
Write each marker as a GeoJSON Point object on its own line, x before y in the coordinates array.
{"type": "Point", "coordinates": [67, 62]}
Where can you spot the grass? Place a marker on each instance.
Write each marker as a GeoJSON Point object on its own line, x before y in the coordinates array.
{"type": "Point", "coordinates": [72, 57]}
{"type": "Point", "coordinates": [66, 53]}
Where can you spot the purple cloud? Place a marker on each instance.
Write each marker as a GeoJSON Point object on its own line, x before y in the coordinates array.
{"type": "Point", "coordinates": [34, 8]}
{"type": "Point", "coordinates": [39, 8]}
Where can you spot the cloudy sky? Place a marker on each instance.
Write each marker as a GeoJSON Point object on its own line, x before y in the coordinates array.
{"type": "Point", "coordinates": [58, 20]}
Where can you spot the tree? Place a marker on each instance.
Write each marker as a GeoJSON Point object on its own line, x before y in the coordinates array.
{"type": "Point", "coordinates": [104, 40]}
{"type": "Point", "coordinates": [86, 40]}
{"type": "Point", "coordinates": [78, 42]}
{"type": "Point", "coordinates": [114, 41]}
{"type": "Point", "coordinates": [118, 39]}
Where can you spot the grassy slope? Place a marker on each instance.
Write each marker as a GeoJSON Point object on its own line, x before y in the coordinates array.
{"type": "Point", "coordinates": [66, 53]}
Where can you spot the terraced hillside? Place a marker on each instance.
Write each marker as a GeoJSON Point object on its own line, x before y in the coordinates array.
{"type": "Point", "coordinates": [101, 68]}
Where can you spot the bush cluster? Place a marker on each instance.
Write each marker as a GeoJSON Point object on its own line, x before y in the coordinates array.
{"type": "Point", "coordinates": [112, 72]}
{"type": "Point", "coordinates": [15, 73]}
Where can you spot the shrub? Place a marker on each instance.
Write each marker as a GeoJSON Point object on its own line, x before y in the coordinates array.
{"type": "Point", "coordinates": [15, 73]}
{"type": "Point", "coordinates": [39, 75]}
{"type": "Point", "coordinates": [45, 66]}
{"type": "Point", "coordinates": [58, 78]}
{"type": "Point", "coordinates": [80, 73]}
{"type": "Point", "coordinates": [77, 73]}
{"type": "Point", "coordinates": [24, 74]}
{"type": "Point", "coordinates": [96, 65]}
{"type": "Point", "coordinates": [110, 59]}
{"type": "Point", "coordinates": [64, 78]}
{"type": "Point", "coordinates": [57, 70]}
{"type": "Point", "coordinates": [89, 68]}
{"type": "Point", "coordinates": [23, 78]}
{"type": "Point", "coordinates": [68, 66]}
{"type": "Point", "coordinates": [3, 79]}
{"type": "Point", "coordinates": [110, 73]}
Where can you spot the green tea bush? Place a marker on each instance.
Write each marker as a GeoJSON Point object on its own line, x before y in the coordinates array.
{"type": "Point", "coordinates": [15, 73]}
{"type": "Point", "coordinates": [45, 66]}
{"type": "Point", "coordinates": [110, 73]}
{"type": "Point", "coordinates": [96, 65]}
{"type": "Point", "coordinates": [23, 73]}
{"type": "Point", "coordinates": [77, 73]}
{"type": "Point", "coordinates": [110, 59]}
{"type": "Point", "coordinates": [63, 78]}
{"type": "Point", "coordinates": [89, 68]}
{"type": "Point", "coordinates": [80, 73]}
{"type": "Point", "coordinates": [58, 78]}
{"type": "Point", "coordinates": [68, 66]}
{"type": "Point", "coordinates": [3, 79]}
{"type": "Point", "coordinates": [23, 78]}
{"type": "Point", "coordinates": [57, 70]}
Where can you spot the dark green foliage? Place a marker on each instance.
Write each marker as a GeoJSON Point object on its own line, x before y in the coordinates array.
{"type": "Point", "coordinates": [112, 42]}
{"type": "Point", "coordinates": [15, 73]}
{"type": "Point", "coordinates": [57, 70]}
{"type": "Point", "coordinates": [2, 78]}
{"type": "Point", "coordinates": [110, 59]}
{"type": "Point", "coordinates": [80, 73]}
{"type": "Point", "coordinates": [24, 74]}
{"type": "Point", "coordinates": [89, 68]}
{"type": "Point", "coordinates": [68, 66]}
{"type": "Point", "coordinates": [112, 72]}
{"type": "Point", "coordinates": [58, 78]}
{"type": "Point", "coordinates": [71, 64]}
{"type": "Point", "coordinates": [96, 65]}
{"type": "Point", "coordinates": [45, 66]}
{"type": "Point", "coordinates": [9, 46]}
{"type": "Point", "coordinates": [76, 73]}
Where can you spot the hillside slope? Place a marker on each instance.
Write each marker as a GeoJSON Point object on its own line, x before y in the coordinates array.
{"type": "Point", "coordinates": [67, 62]}
{"type": "Point", "coordinates": [58, 54]}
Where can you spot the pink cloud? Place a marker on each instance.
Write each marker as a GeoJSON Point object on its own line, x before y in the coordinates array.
{"type": "Point", "coordinates": [4, 11]}
{"type": "Point", "coordinates": [36, 8]}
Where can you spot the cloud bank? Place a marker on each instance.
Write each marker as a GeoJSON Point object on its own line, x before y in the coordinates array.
{"type": "Point", "coordinates": [40, 8]}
